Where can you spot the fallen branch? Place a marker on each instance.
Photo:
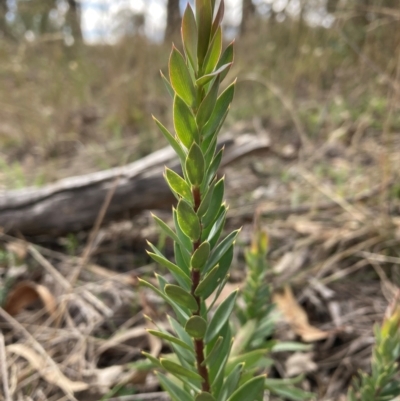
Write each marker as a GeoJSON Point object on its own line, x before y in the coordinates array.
{"type": "Point", "coordinates": [73, 204]}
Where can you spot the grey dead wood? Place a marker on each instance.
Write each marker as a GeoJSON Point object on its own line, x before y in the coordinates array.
{"type": "Point", "coordinates": [73, 204]}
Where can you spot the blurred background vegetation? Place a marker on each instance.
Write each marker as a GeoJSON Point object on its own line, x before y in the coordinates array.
{"type": "Point", "coordinates": [79, 80]}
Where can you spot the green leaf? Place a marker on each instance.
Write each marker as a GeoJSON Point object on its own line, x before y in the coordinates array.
{"type": "Point", "coordinates": [226, 58]}
{"type": "Point", "coordinates": [182, 262]}
{"type": "Point", "coordinates": [185, 123]}
{"type": "Point", "coordinates": [214, 352]}
{"type": "Point", "coordinates": [209, 147]}
{"type": "Point", "coordinates": [204, 397]}
{"type": "Point", "coordinates": [171, 267]}
{"type": "Point", "coordinates": [178, 184]}
{"type": "Point", "coordinates": [196, 327]}
{"type": "Point", "coordinates": [200, 256]}
{"type": "Point", "coordinates": [180, 331]}
{"type": "Point", "coordinates": [218, 18]}
{"type": "Point", "coordinates": [285, 346]}
{"type": "Point", "coordinates": [194, 165]}
{"type": "Point", "coordinates": [207, 105]}
{"type": "Point", "coordinates": [178, 370]}
{"type": "Point", "coordinates": [213, 53]}
{"type": "Point", "coordinates": [153, 360]}
{"type": "Point", "coordinates": [179, 311]}
{"type": "Point", "coordinates": [249, 391]}
{"type": "Point", "coordinates": [185, 241]}
{"type": "Point", "coordinates": [185, 357]}
{"type": "Point", "coordinates": [170, 338]}
{"type": "Point", "coordinates": [220, 317]}
{"type": "Point", "coordinates": [249, 359]}
{"type": "Point", "coordinates": [167, 84]}
{"type": "Point", "coordinates": [145, 283]}
{"type": "Point", "coordinates": [182, 313]}
{"type": "Point", "coordinates": [180, 77]}
{"type": "Point", "coordinates": [171, 140]}
{"type": "Point", "coordinates": [189, 35]}
{"type": "Point", "coordinates": [265, 326]}
{"type": "Point", "coordinates": [213, 168]}
{"type": "Point", "coordinates": [217, 293]}
{"type": "Point", "coordinates": [188, 220]}
{"type": "Point", "coordinates": [243, 337]}
{"type": "Point", "coordinates": [217, 356]}
{"type": "Point", "coordinates": [217, 369]}
{"type": "Point", "coordinates": [177, 393]}
{"type": "Point", "coordinates": [224, 265]}
{"type": "Point", "coordinates": [165, 228]}
{"type": "Point", "coordinates": [181, 297]}
{"type": "Point", "coordinates": [206, 200]}
{"type": "Point", "coordinates": [208, 285]}
{"type": "Point", "coordinates": [231, 382]}
{"type": "Point", "coordinates": [290, 392]}
{"type": "Point", "coordinates": [220, 110]}
{"type": "Point", "coordinates": [221, 249]}
{"type": "Point", "coordinates": [217, 228]}
{"type": "Point", "coordinates": [215, 203]}
{"type": "Point", "coordinates": [205, 79]}
{"type": "Point", "coordinates": [204, 14]}
{"type": "Point", "coordinates": [185, 267]}
{"type": "Point", "coordinates": [142, 364]}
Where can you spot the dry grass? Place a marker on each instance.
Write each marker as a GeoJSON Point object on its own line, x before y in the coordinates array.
{"type": "Point", "coordinates": [80, 109]}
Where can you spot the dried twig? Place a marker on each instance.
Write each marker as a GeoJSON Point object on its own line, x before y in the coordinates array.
{"type": "Point", "coordinates": [49, 268]}
{"type": "Point", "coordinates": [3, 369]}
{"type": "Point", "coordinates": [349, 208]}
{"type": "Point", "coordinates": [36, 345]}
{"type": "Point", "coordinates": [93, 234]}
{"type": "Point", "coordinates": [305, 141]}
{"type": "Point", "coordinates": [307, 208]}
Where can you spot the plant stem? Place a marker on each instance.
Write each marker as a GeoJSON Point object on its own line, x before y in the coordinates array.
{"type": "Point", "coordinates": [202, 369]}
{"type": "Point", "coordinates": [196, 198]}
{"type": "Point", "coordinates": [198, 343]}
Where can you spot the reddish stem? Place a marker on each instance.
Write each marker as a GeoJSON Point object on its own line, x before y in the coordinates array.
{"type": "Point", "coordinates": [196, 198]}
{"type": "Point", "coordinates": [199, 343]}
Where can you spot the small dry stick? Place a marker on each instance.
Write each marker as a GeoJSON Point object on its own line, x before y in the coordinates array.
{"type": "Point", "coordinates": [3, 365]}
{"type": "Point", "coordinates": [93, 234]}
{"type": "Point", "coordinates": [37, 346]}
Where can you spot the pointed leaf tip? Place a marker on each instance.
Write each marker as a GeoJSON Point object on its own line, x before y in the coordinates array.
{"type": "Point", "coordinates": [189, 36]}
{"type": "Point", "coordinates": [180, 78]}
{"type": "Point", "coordinates": [220, 317]}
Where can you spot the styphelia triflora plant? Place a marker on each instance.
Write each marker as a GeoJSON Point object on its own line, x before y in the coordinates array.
{"type": "Point", "coordinates": [202, 341]}
{"type": "Point", "coordinates": [383, 383]}
{"type": "Point", "coordinates": [257, 318]}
